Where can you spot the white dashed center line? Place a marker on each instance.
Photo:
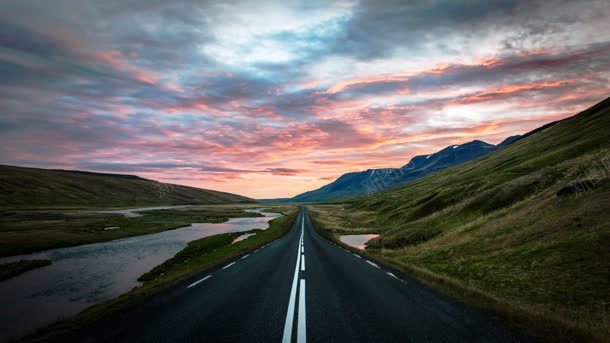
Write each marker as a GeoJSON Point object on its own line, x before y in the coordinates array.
{"type": "Point", "coordinates": [198, 282]}
{"type": "Point", "coordinates": [301, 328]}
{"type": "Point", "coordinates": [287, 337]}
{"type": "Point", "coordinates": [372, 264]}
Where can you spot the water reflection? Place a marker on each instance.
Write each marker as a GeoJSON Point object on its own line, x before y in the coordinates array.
{"type": "Point", "coordinates": [357, 241]}
{"type": "Point", "coordinates": [84, 275]}
{"type": "Point", "coordinates": [242, 237]}
{"type": "Point", "coordinates": [135, 212]}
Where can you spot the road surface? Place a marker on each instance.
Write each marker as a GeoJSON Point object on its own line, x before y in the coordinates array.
{"type": "Point", "coordinates": [302, 288]}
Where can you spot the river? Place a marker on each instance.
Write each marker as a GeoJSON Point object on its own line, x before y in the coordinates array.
{"type": "Point", "coordinates": [357, 241]}
{"type": "Point", "coordinates": [84, 275]}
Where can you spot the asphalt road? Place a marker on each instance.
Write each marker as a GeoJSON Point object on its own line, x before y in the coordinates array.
{"type": "Point", "coordinates": [302, 288]}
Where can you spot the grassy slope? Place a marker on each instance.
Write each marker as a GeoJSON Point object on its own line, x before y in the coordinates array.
{"type": "Point", "coordinates": [512, 226]}
{"type": "Point", "coordinates": [199, 258]}
{"type": "Point", "coordinates": [35, 188]}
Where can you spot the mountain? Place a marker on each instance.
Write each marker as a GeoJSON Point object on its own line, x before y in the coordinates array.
{"type": "Point", "coordinates": [563, 162]}
{"type": "Point", "coordinates": [31, 187]}
{"type": "Point", "coordinates": [373, 181]}
{"type": "Point", "coordinates": [523, 231]}
{"type": "Point", "coordinates": [509, 140]}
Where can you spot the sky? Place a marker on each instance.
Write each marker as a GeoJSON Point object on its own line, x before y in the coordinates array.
{"type": "Point", "coordinates": [271, 99]}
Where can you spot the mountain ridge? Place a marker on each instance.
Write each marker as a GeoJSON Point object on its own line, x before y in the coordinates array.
{"type": "Point", "coordinates": [532, 213]}
{"type": "Point", "coordinates": [372, 181]}
{"type": "Point", "coordinates": [37, 187]}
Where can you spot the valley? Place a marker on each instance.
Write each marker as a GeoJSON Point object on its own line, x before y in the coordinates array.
{"type": "Point", "coordinates": [522, 232]}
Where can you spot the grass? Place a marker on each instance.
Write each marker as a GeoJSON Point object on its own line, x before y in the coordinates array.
{"type": "Point", "coordinates": [26, 231]}
{"type": "Point", "coordinates": [214, 250]}
{"type": "Point", "coordinates": [194, 250]}
{"type": "Point", "coordinates": [523, 232]}
{"type": "Point", "coordinates": [43, 188]}
{"type": "Point", "coordinates": [197, 257]}
{"type": "Point", "coordinates": [12, 269]}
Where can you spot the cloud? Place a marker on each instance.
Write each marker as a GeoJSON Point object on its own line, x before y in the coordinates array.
{"type": "Point", "coordinates": [273, 99]}
{"type": "Point", "coordinates": [285, 171]}
{"type": "Point", "coordinates": [206, 169]}
{"type": "Point", "coordinates": [382, 29]}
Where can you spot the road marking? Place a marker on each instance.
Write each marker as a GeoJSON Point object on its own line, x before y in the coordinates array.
{"type": "Point", "coordinates": [228, 265]}
{"type": "Point", "coordinates": [356, 255]}
{"type": "Point", "coordinates": [302, 249]}
{"type": "Point", "coordinates": [303, 263]}
{"type": "Point", "coordinates": [198, 282]}
{"type": "Point", "coordinates": [392, 275]}
{"type": "Point", "coordinates": [245, 256]}
{"type": "Point", "coordinates": [301, 328]}
{"type": "Point", "coordinates": [287, 337]}
{"type": "Point", "coordinates": [372, 264]}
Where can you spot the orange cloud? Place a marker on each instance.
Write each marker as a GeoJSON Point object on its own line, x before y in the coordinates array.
{"type": "Point", "coordinates": [120, 62]}
{"type": "Point", "coordinates": [510, 90]}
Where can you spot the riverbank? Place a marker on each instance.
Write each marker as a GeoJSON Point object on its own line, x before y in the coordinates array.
{"type": "Point", "coordinates": [68, 329]}
{"type": "Point", "coordinates": [88, 274]}
{"type": "Point", "coordinates": [28, 231]}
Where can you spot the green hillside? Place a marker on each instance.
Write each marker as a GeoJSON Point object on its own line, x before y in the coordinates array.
{"type": "Point", "coordinates": [30, 188]}
{"type": "Point", "coordinates": [528, 225]}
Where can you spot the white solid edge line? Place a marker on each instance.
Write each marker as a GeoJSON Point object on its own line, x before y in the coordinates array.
{"type": "Point", "coordinates": [198, 282]}
{"type": "Point", "coordinates": [301, 328]}
{"type": "Point", "coordinates": [372, 264]}
{"type": "Point", "coordinates": [228, 265]}
{"type": "Point", "coordinates": [287, 337]}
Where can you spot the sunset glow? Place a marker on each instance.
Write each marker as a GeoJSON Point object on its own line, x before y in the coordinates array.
{"type": "Point", "coordinates": [274, 99]}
